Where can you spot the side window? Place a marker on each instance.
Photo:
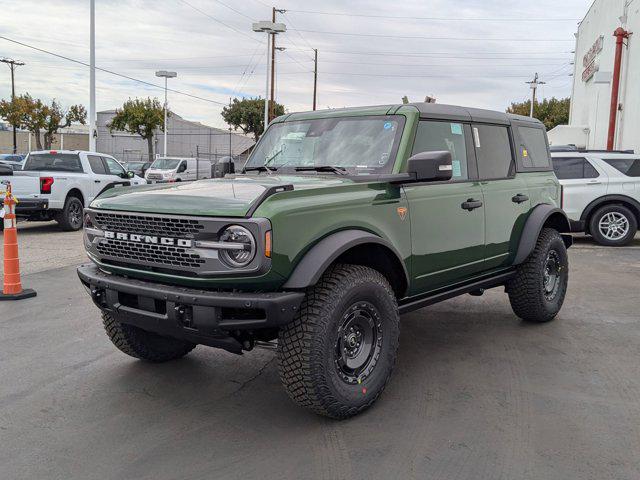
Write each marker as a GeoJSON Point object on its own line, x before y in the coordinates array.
{"type": "Point", "coordinates": [571, 168]}
{"type": "Point", "coordinates": [434, 136]}
{"type": "Point", "coordinates": [533, 147]}
{"type": "Point", "coordinates": [493, 150]}
{"type": "Point", "coordinates": [113, 167]}
{"type": "Point", "coordinates": [96, 165]}
{"type": "Point", "coordinates": [627, 166]}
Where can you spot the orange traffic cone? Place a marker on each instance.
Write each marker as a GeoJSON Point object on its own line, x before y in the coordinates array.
{"type": "Point", "coordinates": [12, 289]}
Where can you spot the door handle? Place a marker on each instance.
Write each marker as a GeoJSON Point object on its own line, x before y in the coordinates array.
{"type": "Point", "coordinates": [471, 204]}
{"type": "Point", "coordinates": [519, 198]}
{"type": "Point", "coordinates": [594, 182]}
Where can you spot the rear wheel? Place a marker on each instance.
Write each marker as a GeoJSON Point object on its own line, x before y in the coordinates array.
{"type": "Point", "coordinates": [537, 291]}
{"type": "Point", "coordinates": [144, 345]}
{"type": "Point", "coordinates": [70, 218]}
{"type": "Point", "coordinates": [613, 225]}
{"type": "Point", "coordinates": [336, 357]}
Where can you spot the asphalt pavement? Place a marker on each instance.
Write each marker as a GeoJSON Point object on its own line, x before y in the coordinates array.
{"type": "Point", "coordinates": [477, 394]}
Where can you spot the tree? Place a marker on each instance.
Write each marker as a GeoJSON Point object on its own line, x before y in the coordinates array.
{"type": "Point", "coordinates": [34, 115]}
{"type": "Point", "coordinates": [247, 115]}
{"type": "Point", "coordinates": [551, 112]}
{"type": "Point", "coordinates": [141, 117]}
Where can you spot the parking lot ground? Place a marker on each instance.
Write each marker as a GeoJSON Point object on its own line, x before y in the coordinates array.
{"type": "Point", "coordinates": [476, 394]}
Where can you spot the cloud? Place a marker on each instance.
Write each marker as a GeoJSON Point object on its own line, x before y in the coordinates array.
{"type": "Point", "coordinates": [214, 61]}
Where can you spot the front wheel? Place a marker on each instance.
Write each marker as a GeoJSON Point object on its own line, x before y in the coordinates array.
{"type": "Point", "coordinates": [613, 225]}
{"type": "Point", "coordinates": [336, 356]}
{"type": "Point", "coordinates": [538, 289]}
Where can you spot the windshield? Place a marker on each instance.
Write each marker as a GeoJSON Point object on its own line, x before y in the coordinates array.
{"type": "Point", "coordinates": [165, 163]}
{"type": "Point", "coordinates": [357, 144]}
{"type": "Point", "coordinates": [53, 162]}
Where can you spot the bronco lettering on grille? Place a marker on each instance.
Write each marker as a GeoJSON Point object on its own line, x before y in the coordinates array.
{"type": "Point", "coordinates": [135, 237]}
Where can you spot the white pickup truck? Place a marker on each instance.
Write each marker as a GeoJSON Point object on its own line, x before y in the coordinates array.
{"type": "Point", "coordinates": [57, 185]}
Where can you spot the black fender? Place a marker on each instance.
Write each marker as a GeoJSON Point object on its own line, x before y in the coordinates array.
{"type": "Point", "coordinates": [314, 263]}
{"type": "Point", "coordinates": [608, 199]}
{"type": "Point", "coordinates": [533, 226]}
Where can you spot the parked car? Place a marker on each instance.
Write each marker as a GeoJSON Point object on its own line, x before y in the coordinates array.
{"type": "Point", "coordinates": [57, 185]}
{"type": "Point", "coordinates": [601, 194]}
{"type": "Point", "coordinates": [15, 160]}
{"type": "Point", "coordinates": [137, 167]}
{"type": "Point", "coordinates": [14, 165]}
{"type": "Point", "coordinates": [173, 169]}
{"type": "Point", "coordinates": [340, 221]}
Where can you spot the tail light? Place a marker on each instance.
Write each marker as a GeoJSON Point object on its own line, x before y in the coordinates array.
{"type": "Point", "coordinates": [45, 184]}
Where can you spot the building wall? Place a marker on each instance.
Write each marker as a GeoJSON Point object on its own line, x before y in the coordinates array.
{"type": "Point", "coordinates": [71, 141]}
{"type": "Point", "coordinates": [185, 139]}
{"type": "Point", "coordinates": [590, 101]}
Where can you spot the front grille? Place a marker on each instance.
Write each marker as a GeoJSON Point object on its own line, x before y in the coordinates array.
{"type": "Point", "coordinates": [148, 225]}
{"type": "Point", "coordinates": [145, 252]}
{"type": "Point", "coordinates": [154, 176]}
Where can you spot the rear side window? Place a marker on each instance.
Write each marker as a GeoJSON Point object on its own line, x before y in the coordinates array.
{"type": "Point", "coordinates": [442, 136]}
{"type": "Point", "coordinates": [96, 165]}
{"type": "Point", "coordinates": [628, 166]}
{"type": "Point", "coordinates": [571, 168]}
{"type": "Point", "coordinates": [533, 147]}
{"type": "Point", "coordinates": [54, 162]}
{"type": "Point", "coordinates": [493, 150]}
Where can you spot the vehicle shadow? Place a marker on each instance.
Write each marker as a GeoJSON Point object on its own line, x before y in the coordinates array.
{"type": "Point", "coordinates": [582, 240]}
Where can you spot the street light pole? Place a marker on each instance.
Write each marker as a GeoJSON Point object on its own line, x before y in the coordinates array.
{"type": "Point", "coordinates": [166, 75]}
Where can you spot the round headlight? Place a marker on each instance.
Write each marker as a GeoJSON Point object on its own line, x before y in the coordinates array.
{"type": "Point", "coordinates": [242, 246]}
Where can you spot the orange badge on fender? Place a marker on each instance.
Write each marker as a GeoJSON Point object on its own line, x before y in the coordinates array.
{"type": "Point", "coordinates": [402, 212]}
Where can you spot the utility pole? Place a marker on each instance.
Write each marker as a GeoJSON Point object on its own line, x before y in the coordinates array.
{"type": "Point", "coordinates": [12, 66]}
{"type": "Point", "coordinates": [92, 76]}
{"type": "Point", "coordinates": [272, 105]}
{"type": "Point", "coordinates": [534, 86]}
{"type": "Point", "coordinates": [315, 76]}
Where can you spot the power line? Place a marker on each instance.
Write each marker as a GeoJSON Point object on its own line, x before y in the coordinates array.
{"type": "Point", "coordinates": [448, 54]}
{"type": "Point", "coordinates": [237, 11]}
{"type": "Point", "coordinates": [111, 72]}
{"type": "Point", "coordinates": [439, 19]}
{"type": "Point", "coordinates": [418, 37]}
{"type": "Point", "coordinates": [220, 22]}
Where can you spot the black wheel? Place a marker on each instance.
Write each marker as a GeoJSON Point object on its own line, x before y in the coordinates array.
{"type": "Point", "coordinates": [70, 218]}
{"type": "Point", "coordinates": [336, 357]}
{"type": "Point", "coordinates": [538, 289]}
{"type": "Point", "coordinates": [144, 345]}
{"type": "Point", "coordinates": [613, 225]}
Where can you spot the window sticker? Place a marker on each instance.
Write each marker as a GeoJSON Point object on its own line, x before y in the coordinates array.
{"type": "Point", "coordinates": [457, 170]}
{"type": "Point", "coordinates": [388, 125]}
{"type": "Point", "coordinates": [525, 154]}
{"type": "Point", "coordinates": [456, 128]}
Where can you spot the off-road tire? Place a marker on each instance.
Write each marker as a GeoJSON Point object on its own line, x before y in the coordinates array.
{"type": "Point", "coordinates": [307, 346]}
{"type": "Point", "coordinates": [64, 218]}
{"type": "Point", "coordinates": [527, 289]}
{"type": "Point", "coordinates": [594, 222]}
{"type": "Point", "coordinates": [144, 345]}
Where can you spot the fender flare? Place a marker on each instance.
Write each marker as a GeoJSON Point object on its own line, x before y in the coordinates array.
{"type": "Point", "coordinates": [314, 263]}
{"type": "Point", "coordinates": [533, 226]}
{"type": "Point", "coordinates": [608, 198]}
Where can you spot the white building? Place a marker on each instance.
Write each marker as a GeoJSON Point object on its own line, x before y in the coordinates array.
{"type": "Point", "coordinates": [593, 79]}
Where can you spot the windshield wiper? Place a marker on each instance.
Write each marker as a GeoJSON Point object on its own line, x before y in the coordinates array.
{"type": "Point", "coordinates": [260, 168]}
{"type": "Point", "coordinates": [323, 168]}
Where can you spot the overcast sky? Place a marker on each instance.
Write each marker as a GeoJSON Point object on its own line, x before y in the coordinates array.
{"type": "Point", "coordinates": [479, 54]}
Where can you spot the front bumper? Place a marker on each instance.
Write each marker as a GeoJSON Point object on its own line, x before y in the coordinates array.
{"type": "Point", "coordinates": [199, 316]}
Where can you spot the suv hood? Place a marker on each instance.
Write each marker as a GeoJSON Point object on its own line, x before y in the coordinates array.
{"type": "Point", "coordinates": [225, 197]}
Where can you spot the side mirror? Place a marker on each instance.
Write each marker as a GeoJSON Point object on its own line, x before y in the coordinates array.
{"type": "Point", "coordinates": [6, 169]}
{"type": "Point", "coordinates": [130, 174]}
{"type": "Point", "coordinates": [430, 166]}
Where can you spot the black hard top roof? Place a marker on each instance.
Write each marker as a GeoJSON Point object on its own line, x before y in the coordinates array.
{"type": "Point", "coordinates": [454, 112]}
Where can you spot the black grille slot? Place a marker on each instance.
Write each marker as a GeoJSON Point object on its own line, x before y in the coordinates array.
{"type": "Point", "coordinates": [152, 253]}
{"type": "Point", "coordinates": [148, 225]}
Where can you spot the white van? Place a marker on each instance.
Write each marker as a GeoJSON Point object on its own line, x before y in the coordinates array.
{"type": "Point", "coordinates": [175, 169]}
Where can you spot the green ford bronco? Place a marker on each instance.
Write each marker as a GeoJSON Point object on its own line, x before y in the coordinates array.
{"type": "Point", "coordinates": [340, 221]}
